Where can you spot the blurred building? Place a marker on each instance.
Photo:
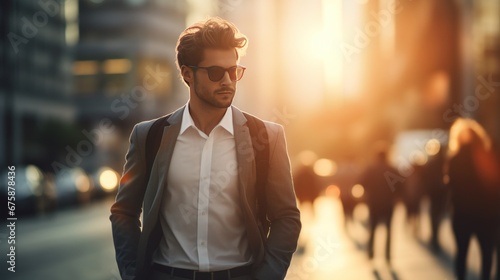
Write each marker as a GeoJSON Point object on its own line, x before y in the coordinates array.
{"type": "Point", "coordinates": [338, 74]}
{"type": "Point", "coordinates": [68, 65]}
{"type": "Point", "coordinates": [124, 69]}
{"type": "Point", "coordinates": [124, 66]}
{"type": "Point", "coordinates": [35, 77]}
{"type": "Point", "coordinates": [260, 91]}
{"type": "Point", "coordinates": [482, 98]}
{"type": "Point", "coordinates": [451, 54]}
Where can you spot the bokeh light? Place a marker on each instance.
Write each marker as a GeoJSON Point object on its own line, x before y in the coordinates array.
{"type": "Point", "coordinates": [82, 182]}
{"type": "Point", "coordinates": [432, 147]}
{"type": "Point", "coordinates": [307, 157]}
{"type": "Point", "coordinates": [332, 191]}
{"type": "Point", "coordinates": [358, 191]}
{"type": "Point", "coordinates": [108, 179]}
{"type": "Point", "coordinates": [325, 167]}
{"type": "Point", "coordinates": [417, 157]}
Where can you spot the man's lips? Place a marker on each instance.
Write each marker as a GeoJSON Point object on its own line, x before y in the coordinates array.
{"type": "Point", "coordinates": [225, 91]}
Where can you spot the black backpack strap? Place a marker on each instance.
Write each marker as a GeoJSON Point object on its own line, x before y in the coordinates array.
{"type": "Point", "coordinates": [260, 144]}
{"type": "Point", "coordinates": [153, 142]}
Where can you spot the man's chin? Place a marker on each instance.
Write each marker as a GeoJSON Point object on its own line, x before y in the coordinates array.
{"type": "Point", "coordinates": [225, 103]}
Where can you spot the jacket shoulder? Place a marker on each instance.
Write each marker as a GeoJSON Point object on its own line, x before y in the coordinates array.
{"type": "Point", "coordinates": [270, 126]}
{"type": "Point", "coordinates": [273, 127]}
{"type": "Point", "coordinates": [144, 126]}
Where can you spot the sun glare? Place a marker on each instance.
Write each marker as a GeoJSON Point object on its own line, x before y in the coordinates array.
{"type": "Point", "coordinates": [330, 40]}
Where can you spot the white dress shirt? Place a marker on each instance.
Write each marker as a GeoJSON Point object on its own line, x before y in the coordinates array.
{"type": "Point", "coordinates": [201, 219]}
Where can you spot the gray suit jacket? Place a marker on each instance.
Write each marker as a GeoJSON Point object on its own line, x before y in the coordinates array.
{"type": "Point", "coordinates": [135, 246]}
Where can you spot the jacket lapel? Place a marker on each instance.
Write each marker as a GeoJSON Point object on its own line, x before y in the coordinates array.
{"type": "Point", "coordinates": [247, 177]}
{"type": "Point", "coordinates": [244, 156]}
{"type": "Point", "coordinates": [162, 161]}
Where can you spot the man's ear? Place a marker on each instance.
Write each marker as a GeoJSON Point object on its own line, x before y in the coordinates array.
{"type": "Point", "coordinates": [187, 74]}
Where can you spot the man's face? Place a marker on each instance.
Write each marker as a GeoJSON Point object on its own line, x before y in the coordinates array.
{"type": "Point", "coordinates": [217, 94]}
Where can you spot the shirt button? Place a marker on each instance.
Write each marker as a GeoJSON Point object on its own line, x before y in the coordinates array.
{"type": "Point", "coordinates": [202, 243]}
{"type": "Point", "coordinates": [203, 213]}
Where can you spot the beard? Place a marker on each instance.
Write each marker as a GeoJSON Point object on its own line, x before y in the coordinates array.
{"type": "Point", "coordinates": [221, 98]}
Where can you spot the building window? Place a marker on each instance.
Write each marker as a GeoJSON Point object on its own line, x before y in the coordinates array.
{"type": "Point", "coordinates": [109, 77]}
{"type": "Point", "coordinates": [86, 76]}
{"type": "Point", "coordinates": [115, 75]}
{"type": "Point", "coordinates": [155, 75]}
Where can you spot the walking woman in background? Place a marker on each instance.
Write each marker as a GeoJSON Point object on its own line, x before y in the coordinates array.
{"type": "Point", "coordinates": [472, 174]}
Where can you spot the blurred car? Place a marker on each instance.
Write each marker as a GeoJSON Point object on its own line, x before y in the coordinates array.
{"type": "Point", "coordinates": [30, 190]}
{"type": "Point", "coordinates": [105, 180]}
{"type": "Point", "coordinates": [73, 187]}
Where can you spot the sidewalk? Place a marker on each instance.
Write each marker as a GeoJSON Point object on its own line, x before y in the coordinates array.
{"type": "Point", "coordinates": [331, 254]}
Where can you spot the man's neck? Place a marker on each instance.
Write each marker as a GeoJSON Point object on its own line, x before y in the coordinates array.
{"type": "Point", "coordinates": [206, 118]}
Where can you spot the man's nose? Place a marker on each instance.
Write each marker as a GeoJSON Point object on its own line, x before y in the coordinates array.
{"type": "Point", "coordinates": [226, 79]}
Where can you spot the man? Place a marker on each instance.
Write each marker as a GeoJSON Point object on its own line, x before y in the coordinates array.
{"type": "Point", "coordinates": [199, 201]}
{"type": "Point", "coordinates": [380, 196]}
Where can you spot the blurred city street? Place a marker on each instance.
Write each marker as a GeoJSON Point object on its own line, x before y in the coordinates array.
{"type": "Point", "coordinates": [77, 244]}
{"type": "Point", "coordinates": [73, 244]}
{"type": "Point", "coordinates": [331, 254]}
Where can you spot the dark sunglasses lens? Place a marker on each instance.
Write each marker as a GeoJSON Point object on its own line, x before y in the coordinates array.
{"type": "Point", "coordinates": [216, 73]}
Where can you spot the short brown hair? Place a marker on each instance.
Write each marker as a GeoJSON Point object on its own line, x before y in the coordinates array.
{"type": "Point", "coordinates": [213, 33]}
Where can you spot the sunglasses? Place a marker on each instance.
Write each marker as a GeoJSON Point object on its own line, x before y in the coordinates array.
{"type": "Point", "coordinates": [216, 73]}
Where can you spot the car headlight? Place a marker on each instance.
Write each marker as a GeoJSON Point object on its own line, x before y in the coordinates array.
{"type": "Point", "coordinates": [82, 183]}
{"type": "Point", "coordinates": [108, 179]}
{"type": "Point", "coordinates": [34, 177]}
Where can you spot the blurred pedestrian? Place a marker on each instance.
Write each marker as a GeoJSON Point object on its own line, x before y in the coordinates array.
{"type": "Point", "coordinates": [307, 186]}
{"type": "Point", "coordinates": [472, 174]}
{"type": "Point", "coordinates": [201, 206]}
{"type": "Point", "coordinates": [412, 194]}
{"type": "Point", "coordinates": [346, 179]}
{"type": "Point", "coordinates": [438, 193]}
{"type": "Point", "coordinates": [378, 181]}
{"type": "Point", "coordinates": [307, 190]}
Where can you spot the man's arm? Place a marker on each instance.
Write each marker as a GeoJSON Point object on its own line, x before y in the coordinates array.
{"type": "Point", "coordinates": [126, 211]}
{"type": "Point", "coordinates": [282, 209]}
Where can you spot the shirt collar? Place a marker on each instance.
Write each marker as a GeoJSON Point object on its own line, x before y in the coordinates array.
{"type": "Point", "coordinates": [226, 122]}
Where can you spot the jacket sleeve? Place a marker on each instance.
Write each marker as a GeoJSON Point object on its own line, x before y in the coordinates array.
{"type": "Point", "coordinates": [282, 210]}
{"type": "Point", "coordinates": [126, 211]}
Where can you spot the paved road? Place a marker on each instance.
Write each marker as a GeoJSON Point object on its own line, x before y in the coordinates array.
{"type": "Point", "coordinates": [76, 244]}
{"type": "Point", "coordinates": [73, 244]}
